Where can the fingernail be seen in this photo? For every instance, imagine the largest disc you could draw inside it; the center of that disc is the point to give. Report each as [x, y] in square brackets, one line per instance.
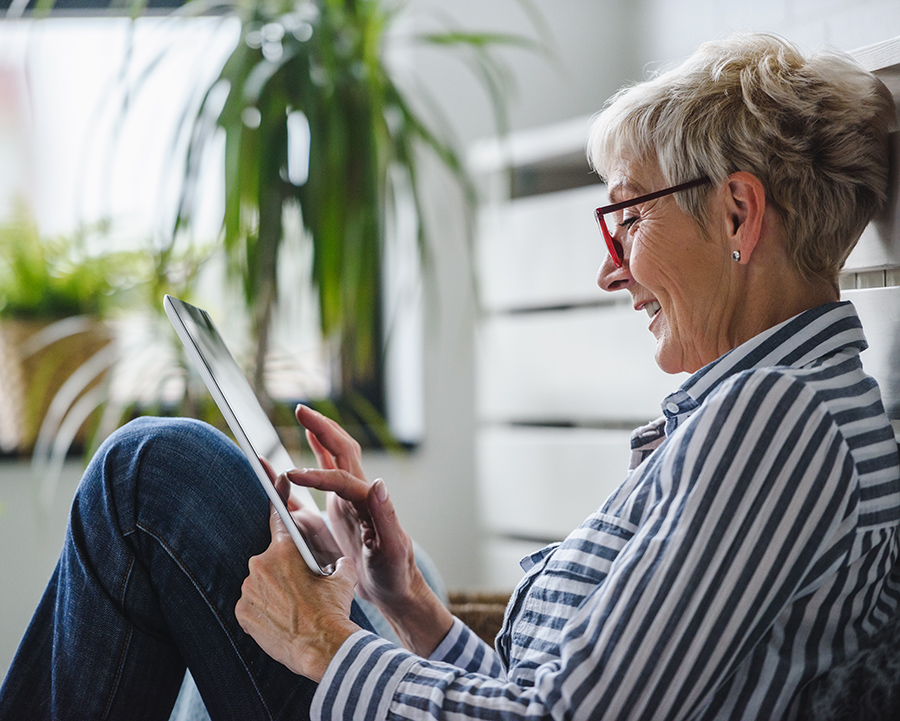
[380, 490]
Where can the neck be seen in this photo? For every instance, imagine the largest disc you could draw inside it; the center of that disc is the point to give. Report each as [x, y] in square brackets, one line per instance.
[773, 297]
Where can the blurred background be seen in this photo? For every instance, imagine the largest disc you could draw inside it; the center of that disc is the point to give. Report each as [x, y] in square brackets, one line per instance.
[422, 202]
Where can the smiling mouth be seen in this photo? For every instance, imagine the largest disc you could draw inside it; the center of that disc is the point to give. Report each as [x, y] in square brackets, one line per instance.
[652, 307]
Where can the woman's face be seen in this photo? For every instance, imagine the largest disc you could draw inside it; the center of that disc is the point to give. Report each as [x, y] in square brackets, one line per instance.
[674, 274]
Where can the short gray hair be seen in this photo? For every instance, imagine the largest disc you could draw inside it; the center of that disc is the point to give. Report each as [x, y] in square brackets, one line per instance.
[813, 129]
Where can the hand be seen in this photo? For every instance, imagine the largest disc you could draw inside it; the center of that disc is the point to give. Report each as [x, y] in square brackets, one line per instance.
[297, 617]
[366, 528]
[363, 520]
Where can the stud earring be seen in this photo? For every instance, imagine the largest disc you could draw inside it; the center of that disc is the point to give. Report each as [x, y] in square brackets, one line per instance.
[736, 256]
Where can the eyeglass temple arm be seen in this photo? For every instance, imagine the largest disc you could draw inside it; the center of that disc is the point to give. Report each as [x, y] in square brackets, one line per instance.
[651, 196]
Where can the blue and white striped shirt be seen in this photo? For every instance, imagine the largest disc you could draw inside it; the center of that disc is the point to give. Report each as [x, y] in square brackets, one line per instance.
[750, 549]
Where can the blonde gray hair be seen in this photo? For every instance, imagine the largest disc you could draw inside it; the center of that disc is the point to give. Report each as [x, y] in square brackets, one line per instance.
[813, 129]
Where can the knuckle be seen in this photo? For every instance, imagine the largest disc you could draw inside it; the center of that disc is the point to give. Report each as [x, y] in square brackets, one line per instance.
[255, 564]
[241, 612]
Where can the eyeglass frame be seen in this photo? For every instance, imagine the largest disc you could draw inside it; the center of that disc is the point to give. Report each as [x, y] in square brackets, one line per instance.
[606, 209]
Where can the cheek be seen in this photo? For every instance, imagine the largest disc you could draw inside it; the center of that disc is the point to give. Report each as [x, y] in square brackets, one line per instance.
[652, 267]
[670, 264]
[644, 260]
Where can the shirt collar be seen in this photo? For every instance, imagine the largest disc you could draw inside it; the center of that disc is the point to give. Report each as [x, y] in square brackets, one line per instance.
[798, 341]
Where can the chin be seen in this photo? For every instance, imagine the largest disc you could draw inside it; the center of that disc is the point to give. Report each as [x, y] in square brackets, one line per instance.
[669, 368]
[670, 362]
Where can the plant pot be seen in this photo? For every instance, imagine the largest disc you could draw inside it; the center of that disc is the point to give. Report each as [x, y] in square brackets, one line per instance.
[47, 365]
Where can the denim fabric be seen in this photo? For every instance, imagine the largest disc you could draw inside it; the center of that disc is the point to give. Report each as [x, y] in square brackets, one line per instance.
[160, 531]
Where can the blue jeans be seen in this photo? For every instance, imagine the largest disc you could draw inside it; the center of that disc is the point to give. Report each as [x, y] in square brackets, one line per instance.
[160, 531]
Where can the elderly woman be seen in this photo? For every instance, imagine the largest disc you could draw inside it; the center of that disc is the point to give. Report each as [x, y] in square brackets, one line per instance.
[751, 548]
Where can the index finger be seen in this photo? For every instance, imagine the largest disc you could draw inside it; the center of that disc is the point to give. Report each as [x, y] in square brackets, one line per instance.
[342, 483]
[333, 438]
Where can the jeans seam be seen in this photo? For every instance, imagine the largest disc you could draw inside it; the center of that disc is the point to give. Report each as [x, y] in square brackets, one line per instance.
[184, 569]
[119, 669]
[125, 579]
[115, 687]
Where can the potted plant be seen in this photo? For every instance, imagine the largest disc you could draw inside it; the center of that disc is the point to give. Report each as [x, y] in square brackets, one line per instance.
[317, 67]
[55, 348]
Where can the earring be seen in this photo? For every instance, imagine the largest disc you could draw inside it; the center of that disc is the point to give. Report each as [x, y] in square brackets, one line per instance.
[736, 256]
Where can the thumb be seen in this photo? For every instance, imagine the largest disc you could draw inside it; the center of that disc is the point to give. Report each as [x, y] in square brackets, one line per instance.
[276, 525]
[388, 532]
[345, 571]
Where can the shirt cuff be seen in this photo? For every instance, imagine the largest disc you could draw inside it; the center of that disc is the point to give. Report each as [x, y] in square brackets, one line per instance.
[363, 675]
[465, 650]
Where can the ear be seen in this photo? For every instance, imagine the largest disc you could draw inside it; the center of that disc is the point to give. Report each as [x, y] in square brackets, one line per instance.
[744, 206]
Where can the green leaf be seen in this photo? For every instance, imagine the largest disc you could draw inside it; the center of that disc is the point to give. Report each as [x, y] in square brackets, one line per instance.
[364, 130]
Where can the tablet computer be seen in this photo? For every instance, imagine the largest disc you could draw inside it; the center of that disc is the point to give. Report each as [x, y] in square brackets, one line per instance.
[250, 425]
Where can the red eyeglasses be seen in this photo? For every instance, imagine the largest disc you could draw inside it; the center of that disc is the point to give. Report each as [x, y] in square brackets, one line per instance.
[612, 245]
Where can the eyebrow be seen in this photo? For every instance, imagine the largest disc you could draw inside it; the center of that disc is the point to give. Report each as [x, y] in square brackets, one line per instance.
[616, 191]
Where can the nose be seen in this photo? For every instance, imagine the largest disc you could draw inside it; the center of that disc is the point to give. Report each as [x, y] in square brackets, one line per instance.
[610, 278]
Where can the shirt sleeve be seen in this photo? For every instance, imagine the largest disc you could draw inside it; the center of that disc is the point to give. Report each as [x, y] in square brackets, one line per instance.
[756, 503]
[367, 670]
[462, 648]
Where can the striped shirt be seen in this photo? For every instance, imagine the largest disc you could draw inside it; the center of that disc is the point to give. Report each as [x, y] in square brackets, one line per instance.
[749, 549]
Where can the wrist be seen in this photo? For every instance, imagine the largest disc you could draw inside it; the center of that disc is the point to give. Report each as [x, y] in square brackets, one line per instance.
[311, 659]
[420, 618]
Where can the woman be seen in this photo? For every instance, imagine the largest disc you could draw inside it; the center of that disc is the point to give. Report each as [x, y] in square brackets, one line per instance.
[751, 548]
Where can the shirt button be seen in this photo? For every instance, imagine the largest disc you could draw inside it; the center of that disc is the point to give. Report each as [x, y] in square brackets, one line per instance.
[672, 407]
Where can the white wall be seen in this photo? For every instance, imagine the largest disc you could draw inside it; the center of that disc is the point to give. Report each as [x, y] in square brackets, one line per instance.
[671, 29]
[31, 534]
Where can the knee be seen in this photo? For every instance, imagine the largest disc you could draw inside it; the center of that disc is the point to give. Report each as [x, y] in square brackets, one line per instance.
[153, 465]
[168, 491]
[163, 443]
[177, 435]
